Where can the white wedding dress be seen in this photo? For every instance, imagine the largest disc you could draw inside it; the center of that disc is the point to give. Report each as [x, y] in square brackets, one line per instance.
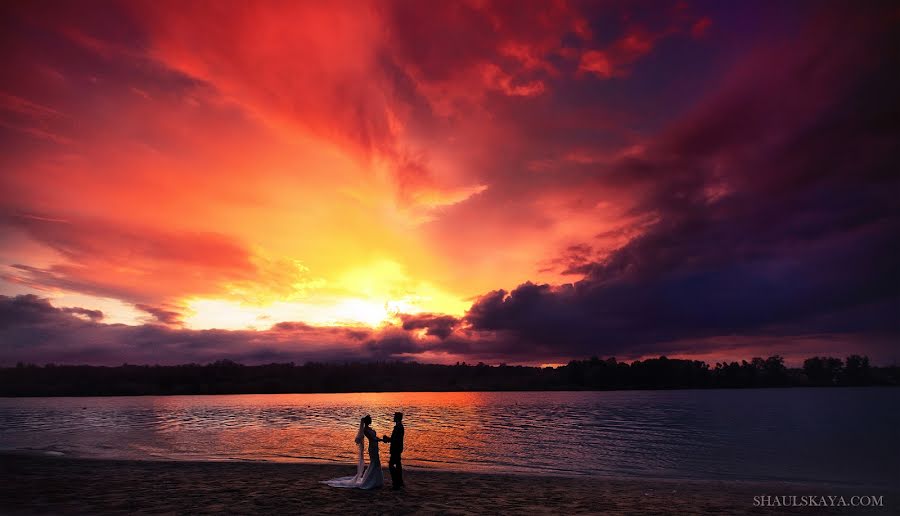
[365, 478]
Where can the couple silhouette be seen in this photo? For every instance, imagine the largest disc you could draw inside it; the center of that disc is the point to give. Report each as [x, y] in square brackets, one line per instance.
[371, 477]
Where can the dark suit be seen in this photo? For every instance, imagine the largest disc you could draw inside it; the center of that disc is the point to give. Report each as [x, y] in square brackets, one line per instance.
[394, 464]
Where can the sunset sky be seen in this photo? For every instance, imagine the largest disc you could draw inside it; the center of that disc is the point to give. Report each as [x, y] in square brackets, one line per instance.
[520, 182]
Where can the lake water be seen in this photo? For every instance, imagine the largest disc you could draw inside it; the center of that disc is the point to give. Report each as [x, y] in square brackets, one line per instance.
[831, 435]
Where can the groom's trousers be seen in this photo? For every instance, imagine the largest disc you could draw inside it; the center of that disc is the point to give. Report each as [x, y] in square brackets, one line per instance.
[396, 469]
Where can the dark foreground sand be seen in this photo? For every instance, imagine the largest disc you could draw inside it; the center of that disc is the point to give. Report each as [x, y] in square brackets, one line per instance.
[43, 485]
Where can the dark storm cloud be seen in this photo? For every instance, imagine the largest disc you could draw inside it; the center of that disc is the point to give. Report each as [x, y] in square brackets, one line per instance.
[26, 309]
[392, 345]
[775, 208]
[162, 315]
[440, 326]
[93, 315]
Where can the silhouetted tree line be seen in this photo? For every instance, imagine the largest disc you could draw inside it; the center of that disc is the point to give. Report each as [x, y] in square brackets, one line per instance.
[227, 377]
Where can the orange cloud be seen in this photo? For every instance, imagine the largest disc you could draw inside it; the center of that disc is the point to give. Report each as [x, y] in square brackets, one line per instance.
[238, 165]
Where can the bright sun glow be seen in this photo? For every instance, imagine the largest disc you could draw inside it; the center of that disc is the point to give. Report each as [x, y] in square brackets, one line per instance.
[372, 296]
[232, 315]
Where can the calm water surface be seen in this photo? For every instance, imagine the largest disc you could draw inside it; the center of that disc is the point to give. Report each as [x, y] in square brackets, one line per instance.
[833, 435]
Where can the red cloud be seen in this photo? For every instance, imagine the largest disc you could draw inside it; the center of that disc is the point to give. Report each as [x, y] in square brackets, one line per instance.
[597, 63]
[175, 111]
[698, 30]
[129, 262]
[636, 42]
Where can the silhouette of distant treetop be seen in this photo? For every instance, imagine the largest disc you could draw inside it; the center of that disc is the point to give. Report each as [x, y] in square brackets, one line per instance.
[227, 377]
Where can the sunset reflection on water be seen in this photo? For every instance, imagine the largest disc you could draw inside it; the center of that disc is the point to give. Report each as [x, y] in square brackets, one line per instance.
[322, 427]
[748, 434]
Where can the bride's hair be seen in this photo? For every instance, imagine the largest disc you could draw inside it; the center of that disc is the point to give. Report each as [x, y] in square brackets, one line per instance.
[367, 419]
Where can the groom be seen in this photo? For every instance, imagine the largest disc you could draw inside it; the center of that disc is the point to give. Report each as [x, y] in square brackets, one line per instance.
[396, 440]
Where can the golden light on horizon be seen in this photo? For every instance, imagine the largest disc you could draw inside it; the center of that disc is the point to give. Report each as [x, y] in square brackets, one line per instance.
[372, 295]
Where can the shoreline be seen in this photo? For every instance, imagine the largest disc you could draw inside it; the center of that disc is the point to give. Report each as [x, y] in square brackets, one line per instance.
[520, 472]
[41, 484]
[293, 393]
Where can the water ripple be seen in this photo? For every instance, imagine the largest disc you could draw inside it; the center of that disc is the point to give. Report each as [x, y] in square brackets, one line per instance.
[749, 434]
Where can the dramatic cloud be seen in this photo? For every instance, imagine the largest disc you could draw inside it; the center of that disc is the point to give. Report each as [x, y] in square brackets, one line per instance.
[437, 325]
[776, 215]
[162, 315]
[93, 315]
[447, 180]
[100, 259]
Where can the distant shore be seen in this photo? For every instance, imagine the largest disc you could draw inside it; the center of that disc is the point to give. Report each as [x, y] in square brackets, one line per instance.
[226, 377]
[56, 485]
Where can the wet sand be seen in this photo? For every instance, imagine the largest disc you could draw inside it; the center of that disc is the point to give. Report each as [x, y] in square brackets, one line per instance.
[57, 485]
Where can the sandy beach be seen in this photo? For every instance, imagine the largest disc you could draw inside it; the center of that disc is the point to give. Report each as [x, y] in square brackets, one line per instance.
[56, 485]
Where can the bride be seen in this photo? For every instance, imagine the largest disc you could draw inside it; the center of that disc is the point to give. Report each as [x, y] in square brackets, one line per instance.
[368, 478]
